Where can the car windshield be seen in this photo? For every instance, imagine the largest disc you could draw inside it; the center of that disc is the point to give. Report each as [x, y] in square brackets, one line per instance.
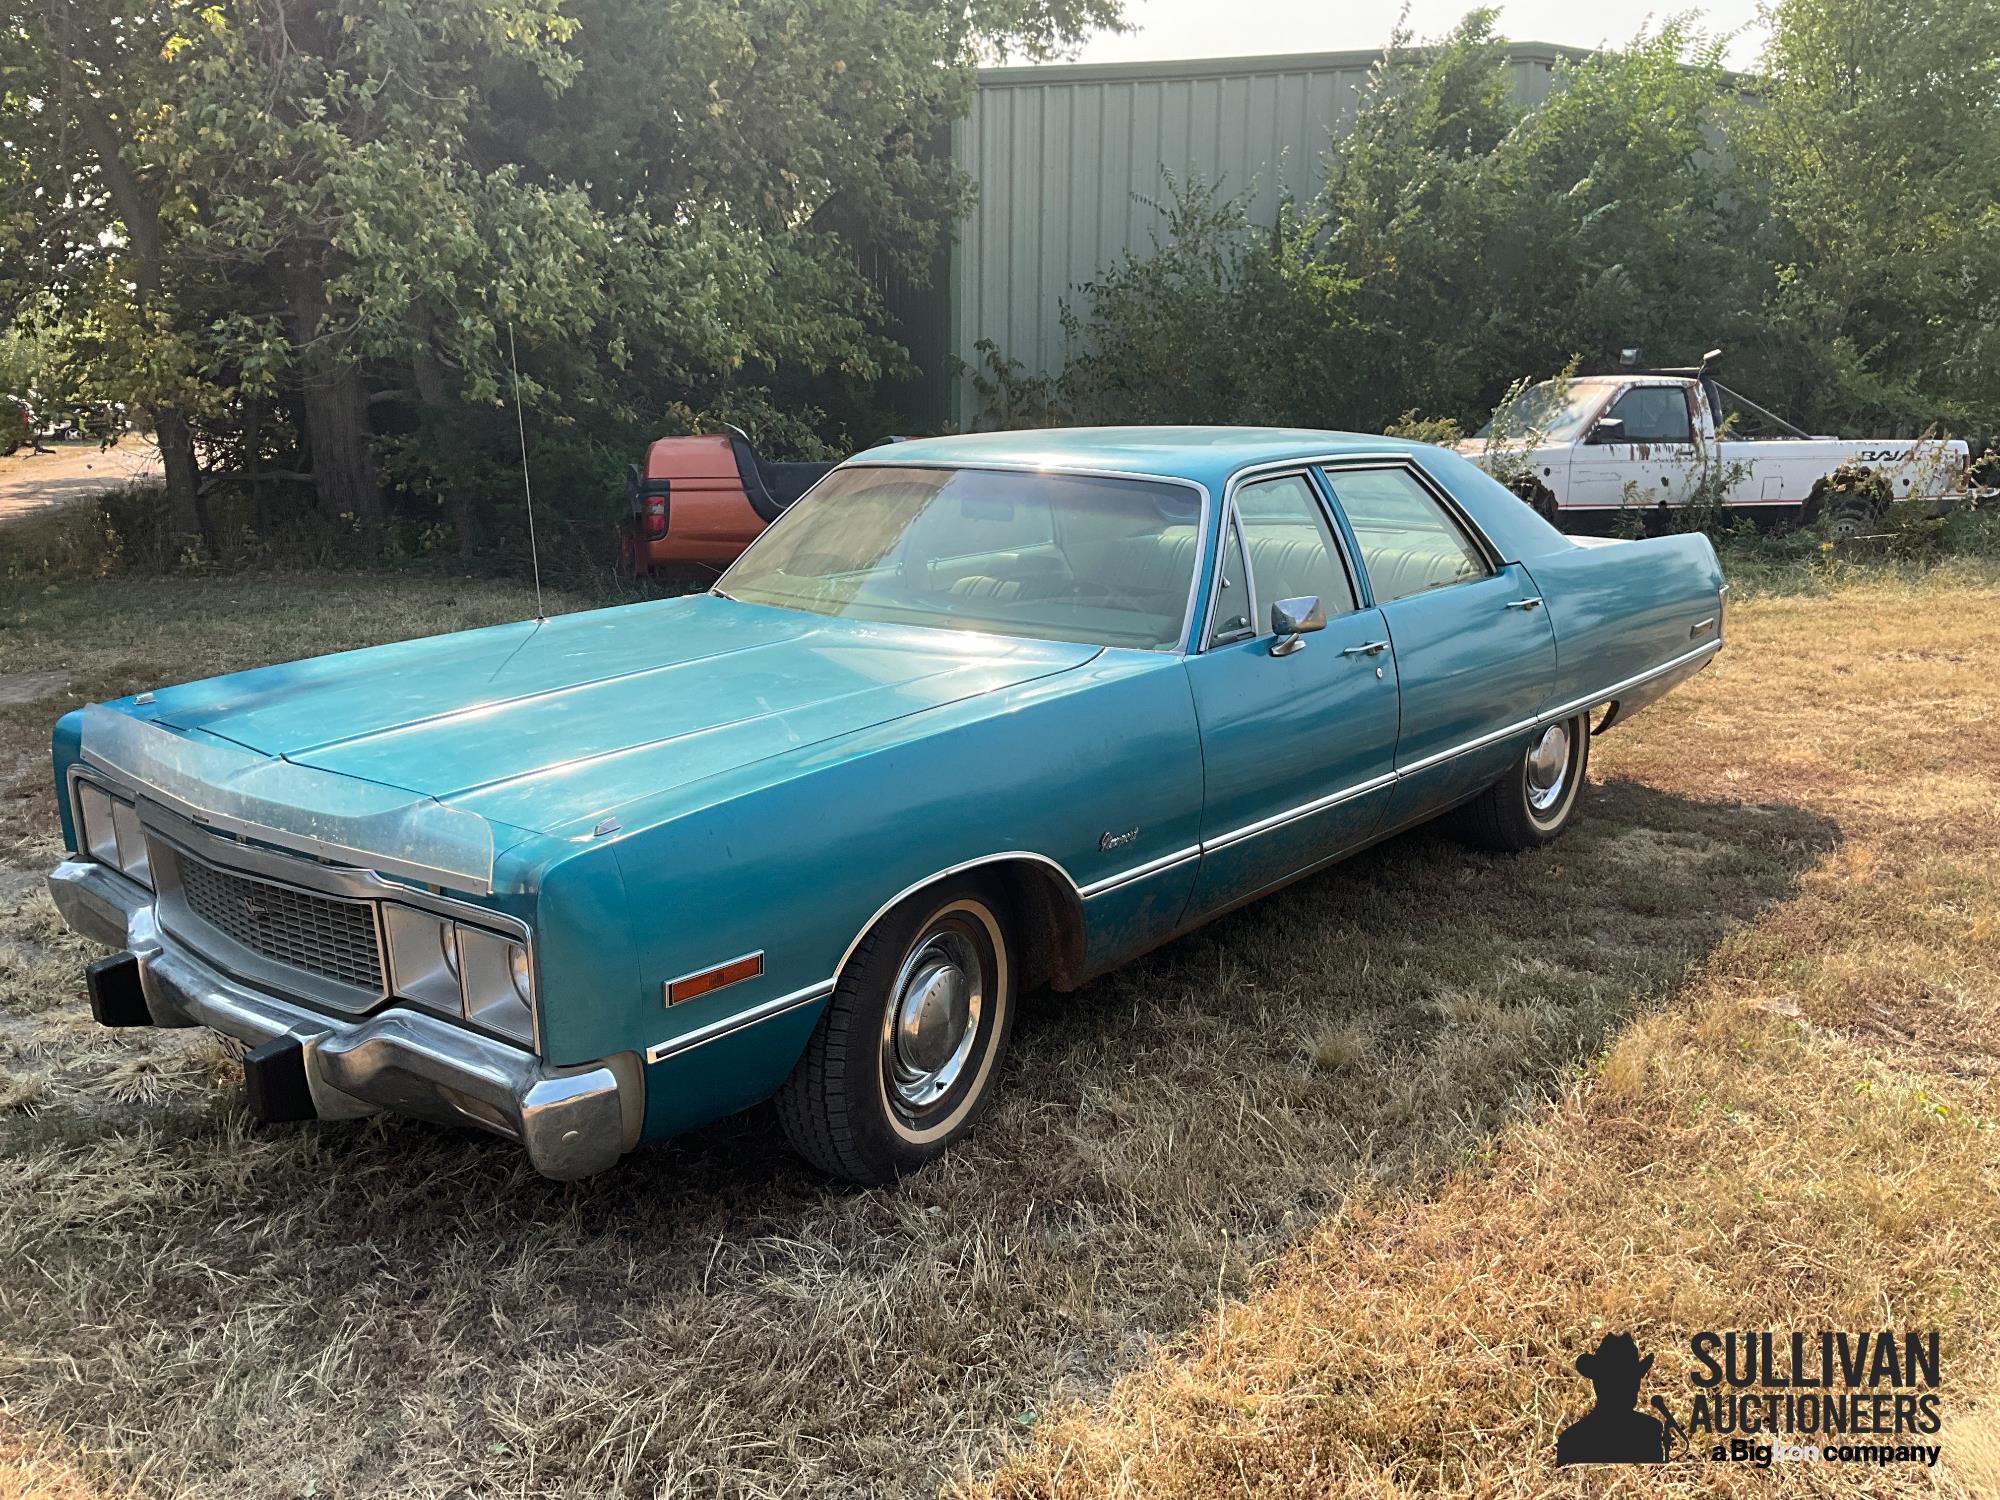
[1058, 557]
[1549, 412]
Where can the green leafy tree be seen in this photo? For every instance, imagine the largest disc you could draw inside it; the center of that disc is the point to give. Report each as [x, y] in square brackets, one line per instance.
[317, 234]
[1222, 322]
[88, 224]
[1459, 242]
[1875, 150]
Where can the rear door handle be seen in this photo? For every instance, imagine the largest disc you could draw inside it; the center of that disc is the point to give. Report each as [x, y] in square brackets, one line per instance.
[1530, 603]
[1373, 648]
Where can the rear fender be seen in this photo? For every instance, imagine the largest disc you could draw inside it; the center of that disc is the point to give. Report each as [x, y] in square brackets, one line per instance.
[1624, 610]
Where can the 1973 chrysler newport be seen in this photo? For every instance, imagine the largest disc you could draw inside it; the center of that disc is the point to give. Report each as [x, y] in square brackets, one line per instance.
[978, 714]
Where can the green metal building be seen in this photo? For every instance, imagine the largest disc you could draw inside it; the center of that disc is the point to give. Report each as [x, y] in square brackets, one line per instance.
[1070, 160]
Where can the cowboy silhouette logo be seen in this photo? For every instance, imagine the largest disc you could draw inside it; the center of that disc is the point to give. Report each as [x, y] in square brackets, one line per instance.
[1614, 1431]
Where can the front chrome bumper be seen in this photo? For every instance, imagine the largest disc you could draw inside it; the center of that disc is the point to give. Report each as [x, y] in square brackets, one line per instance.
[572, 1121]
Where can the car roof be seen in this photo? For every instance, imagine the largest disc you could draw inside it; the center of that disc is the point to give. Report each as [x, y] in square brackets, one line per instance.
[1208, 455]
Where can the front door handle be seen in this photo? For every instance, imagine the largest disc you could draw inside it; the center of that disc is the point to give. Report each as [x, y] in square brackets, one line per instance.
[1373, 648]
[1530, 603]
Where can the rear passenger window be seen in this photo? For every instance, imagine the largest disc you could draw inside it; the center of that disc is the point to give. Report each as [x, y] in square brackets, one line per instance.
[1409, 542]
[1291, 546]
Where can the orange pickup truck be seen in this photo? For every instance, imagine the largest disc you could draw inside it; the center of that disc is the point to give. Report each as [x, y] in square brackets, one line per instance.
[699, 501]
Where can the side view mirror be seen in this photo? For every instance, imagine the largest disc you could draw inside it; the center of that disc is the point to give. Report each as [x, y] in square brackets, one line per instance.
[1293, 619]
[1608, 430]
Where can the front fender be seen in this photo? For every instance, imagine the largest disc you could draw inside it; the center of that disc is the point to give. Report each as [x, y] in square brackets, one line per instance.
[797, 861]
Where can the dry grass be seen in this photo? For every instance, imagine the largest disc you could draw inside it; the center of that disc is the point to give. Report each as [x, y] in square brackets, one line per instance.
[1328, 1184]
[1804, 1138]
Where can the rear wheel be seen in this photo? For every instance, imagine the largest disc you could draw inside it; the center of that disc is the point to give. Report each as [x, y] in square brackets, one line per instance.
[1534, 802]
[1851, 518]
[902, 1062]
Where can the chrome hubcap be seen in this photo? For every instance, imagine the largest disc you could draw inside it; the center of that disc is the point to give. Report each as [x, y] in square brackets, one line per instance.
[935, 1018]
[1548, 768]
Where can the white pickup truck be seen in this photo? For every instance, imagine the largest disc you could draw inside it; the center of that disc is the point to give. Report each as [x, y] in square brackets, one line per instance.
[1584, 449]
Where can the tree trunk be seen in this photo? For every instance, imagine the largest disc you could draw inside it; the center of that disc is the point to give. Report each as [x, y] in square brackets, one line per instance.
[138, 207]
[333, 407]
[186, 511]
[435, 396]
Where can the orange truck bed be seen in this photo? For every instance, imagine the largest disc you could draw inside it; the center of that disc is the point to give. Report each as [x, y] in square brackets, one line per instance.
[699, 501]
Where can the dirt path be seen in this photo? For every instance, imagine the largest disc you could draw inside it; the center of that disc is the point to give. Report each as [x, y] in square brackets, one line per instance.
[32, 483]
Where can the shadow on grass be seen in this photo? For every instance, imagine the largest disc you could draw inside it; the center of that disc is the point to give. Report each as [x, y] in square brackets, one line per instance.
[1159, 1135]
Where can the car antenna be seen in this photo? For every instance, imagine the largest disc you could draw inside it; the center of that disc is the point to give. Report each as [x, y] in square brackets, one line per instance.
[527, 485]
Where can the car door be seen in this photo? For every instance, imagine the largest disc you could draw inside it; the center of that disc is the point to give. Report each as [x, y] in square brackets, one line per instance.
[1297, 743]
[1474, 653]
[1652, 457]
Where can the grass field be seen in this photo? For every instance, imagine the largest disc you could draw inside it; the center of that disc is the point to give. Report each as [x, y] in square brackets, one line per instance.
[1323, 1198]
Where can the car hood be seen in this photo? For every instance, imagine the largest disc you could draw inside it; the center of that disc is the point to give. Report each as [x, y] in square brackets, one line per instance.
[542, 725]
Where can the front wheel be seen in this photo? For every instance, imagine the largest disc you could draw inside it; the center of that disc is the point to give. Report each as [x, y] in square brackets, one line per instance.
[902, 1062]
[1535, 801]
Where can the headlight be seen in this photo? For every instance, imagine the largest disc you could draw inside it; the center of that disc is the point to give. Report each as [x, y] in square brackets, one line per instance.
[465, 971]
[494, 997]
[110, 832]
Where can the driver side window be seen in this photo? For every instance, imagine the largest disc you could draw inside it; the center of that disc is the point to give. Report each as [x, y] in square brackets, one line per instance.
[1653, 414]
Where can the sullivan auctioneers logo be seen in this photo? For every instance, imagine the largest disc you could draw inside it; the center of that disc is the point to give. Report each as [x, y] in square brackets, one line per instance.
[1765, 1398]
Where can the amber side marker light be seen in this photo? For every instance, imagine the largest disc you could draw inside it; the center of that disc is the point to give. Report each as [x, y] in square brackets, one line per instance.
[708, 981]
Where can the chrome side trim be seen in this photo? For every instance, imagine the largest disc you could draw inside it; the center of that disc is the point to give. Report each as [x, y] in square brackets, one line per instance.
[1293, 814]
[1563, 711]
[1439, 757]
[780, 1005]
[1203, 548]
[729, 1025]
[1362, 788]
[766, 1010]
[1140, 872]
[958, 869]
[1592, 700]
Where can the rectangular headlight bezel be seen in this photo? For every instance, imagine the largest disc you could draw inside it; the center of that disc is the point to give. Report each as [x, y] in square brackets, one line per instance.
[108, 831]
[462, 970]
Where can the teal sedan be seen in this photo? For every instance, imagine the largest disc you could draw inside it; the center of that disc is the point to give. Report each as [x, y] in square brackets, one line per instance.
[979, 714]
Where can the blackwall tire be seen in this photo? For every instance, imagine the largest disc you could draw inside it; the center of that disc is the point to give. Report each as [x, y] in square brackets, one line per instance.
[903, 1061]
[1852, 519]
[1536, 801]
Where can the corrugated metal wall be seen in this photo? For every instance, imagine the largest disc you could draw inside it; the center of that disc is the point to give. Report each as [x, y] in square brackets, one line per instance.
[1067, 157]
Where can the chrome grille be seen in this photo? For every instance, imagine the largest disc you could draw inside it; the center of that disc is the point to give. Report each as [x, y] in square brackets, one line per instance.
[322, 935]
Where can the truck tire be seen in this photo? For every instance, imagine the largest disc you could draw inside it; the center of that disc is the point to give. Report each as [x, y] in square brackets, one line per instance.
[1851, 501]
[1852, 517]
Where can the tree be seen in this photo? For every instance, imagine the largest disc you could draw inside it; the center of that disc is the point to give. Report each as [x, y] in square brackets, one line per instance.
[88, 225]
[337, 222]
[1459, 241]
[1222, 322]
[1875, 153]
